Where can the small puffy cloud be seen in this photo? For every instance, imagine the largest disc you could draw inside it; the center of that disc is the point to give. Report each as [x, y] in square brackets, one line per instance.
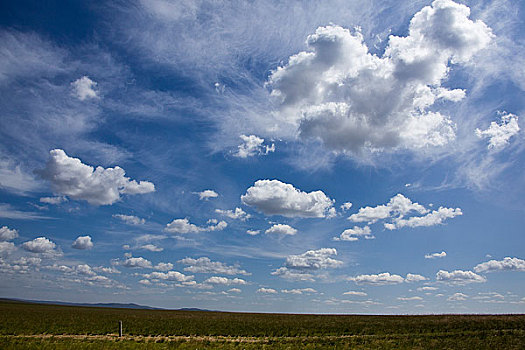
[398, 205]
[252, 146]
[98, 186]
[409, 298]
[398, 208]
[266, 291]
[353, 292]
[139, 262]
[426, 289]
[53, 200]
[168, 276]
[205, 265]
[207, 194]
[507, 264]
[435, 255]
[500, 134]
[39, 245]
[314, 260]
[281, 229]
[353, 234]
[273, 197]
[340, 93]
[184, 226]
[253, 232]
[7, 234]
[84, 88]
[130, 219]
[303, 266]
[378, 280]
[238, 214]
[163, 266]
[414, 278]
[151, 248]
[346, 206]
[225, 281]
[459, 277]
[234, 290]
[82, 242]
[299, 291]
[457, 297]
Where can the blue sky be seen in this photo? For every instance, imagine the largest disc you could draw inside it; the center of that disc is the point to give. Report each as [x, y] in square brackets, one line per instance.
[325, 157]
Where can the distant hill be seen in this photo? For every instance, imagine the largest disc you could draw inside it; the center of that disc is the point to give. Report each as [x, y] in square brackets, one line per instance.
[108, 305]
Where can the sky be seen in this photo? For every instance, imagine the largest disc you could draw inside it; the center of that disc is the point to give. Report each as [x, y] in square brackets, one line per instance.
[264, 156]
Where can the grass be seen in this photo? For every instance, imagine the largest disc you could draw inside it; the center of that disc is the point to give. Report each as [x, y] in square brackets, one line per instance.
[41, 326]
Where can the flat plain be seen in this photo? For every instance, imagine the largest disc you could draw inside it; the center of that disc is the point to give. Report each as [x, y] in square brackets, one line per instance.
[44, 326]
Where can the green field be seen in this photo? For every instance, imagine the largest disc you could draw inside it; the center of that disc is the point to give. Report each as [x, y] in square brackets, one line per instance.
[41, 326]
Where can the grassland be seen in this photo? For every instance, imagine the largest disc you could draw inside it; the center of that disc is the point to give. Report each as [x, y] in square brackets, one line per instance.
[39, 326]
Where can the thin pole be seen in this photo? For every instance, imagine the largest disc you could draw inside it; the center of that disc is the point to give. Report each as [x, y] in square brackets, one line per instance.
[120, 328]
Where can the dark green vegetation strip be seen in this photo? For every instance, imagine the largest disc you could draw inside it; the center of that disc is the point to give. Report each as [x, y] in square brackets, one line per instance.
[218, 330]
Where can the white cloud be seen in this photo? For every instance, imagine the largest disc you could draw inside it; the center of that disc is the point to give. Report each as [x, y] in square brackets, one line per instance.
[266, 291]
[70, 177]
[130, 219]
[500, 134]
[314, 260]
[205, 265]
[53, 200]
[7, 234]
[234, 290]
[435, 255]
[139, 262]
[414, 278]
[398, 208]
[39, 245]
[298, 291]
[252, 146]
[457, 297]
[409, 298]
[340, 93]
[426, 289]
[303, 266]
[163, 266]
[82, 242]
[168, 276]
[507, 264]
[253, 232]
[436, 217]
[353, 234]
[224, 281]
[459, 277]
[152, 248]
[273, 197]
[207, 194]
[238, 214]
[378, 280]
[281, 229]
[6, 248]
[293, 274]
[353, 292]
[183, 226]
[345, 206]
[84, 88]
[398, 205]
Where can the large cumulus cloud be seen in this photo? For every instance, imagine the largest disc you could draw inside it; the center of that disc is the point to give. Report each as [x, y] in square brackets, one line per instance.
[338, 92]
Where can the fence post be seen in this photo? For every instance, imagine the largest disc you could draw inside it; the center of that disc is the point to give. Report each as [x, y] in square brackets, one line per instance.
[120, 328]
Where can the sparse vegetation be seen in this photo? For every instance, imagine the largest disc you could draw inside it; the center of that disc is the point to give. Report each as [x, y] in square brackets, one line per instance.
[39, 326]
